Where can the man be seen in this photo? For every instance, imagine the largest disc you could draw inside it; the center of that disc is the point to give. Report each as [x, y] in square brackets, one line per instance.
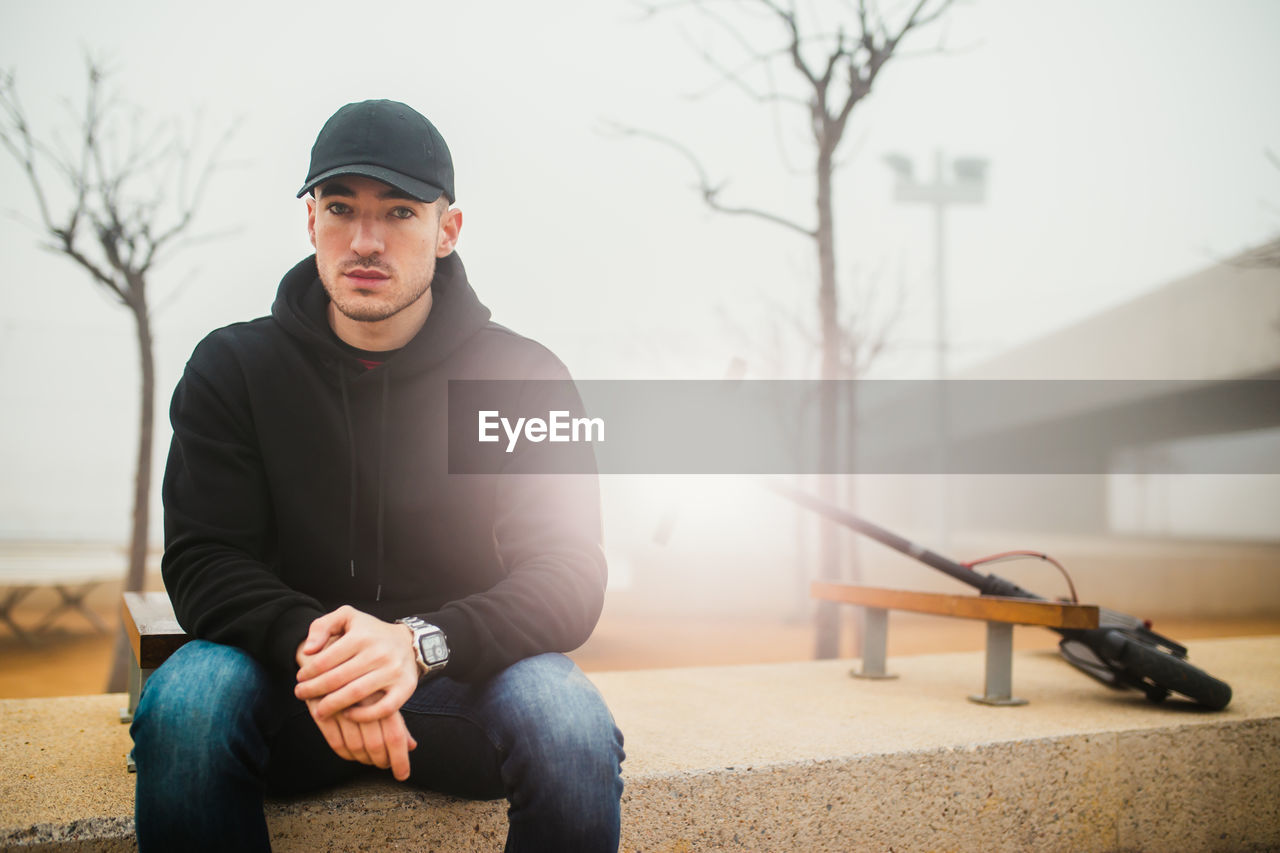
[354, 604]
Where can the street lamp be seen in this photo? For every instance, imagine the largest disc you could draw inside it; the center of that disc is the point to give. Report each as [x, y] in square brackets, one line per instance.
[967, 184]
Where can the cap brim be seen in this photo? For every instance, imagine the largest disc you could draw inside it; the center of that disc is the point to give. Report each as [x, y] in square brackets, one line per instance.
[417, 189]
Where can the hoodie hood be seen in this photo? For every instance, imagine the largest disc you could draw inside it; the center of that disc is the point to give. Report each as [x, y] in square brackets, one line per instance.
[302, 305]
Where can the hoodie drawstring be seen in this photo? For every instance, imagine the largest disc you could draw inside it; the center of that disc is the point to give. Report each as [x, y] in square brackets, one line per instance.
[351, 454]
[382, 469]
[382, 474]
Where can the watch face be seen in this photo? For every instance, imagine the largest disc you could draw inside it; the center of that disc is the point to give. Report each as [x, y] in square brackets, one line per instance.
[434, 648]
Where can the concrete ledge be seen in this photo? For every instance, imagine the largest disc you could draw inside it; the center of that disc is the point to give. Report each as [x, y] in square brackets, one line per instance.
[783, 757]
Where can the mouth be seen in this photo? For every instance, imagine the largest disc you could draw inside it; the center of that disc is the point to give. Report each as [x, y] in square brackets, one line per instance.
[366, 277]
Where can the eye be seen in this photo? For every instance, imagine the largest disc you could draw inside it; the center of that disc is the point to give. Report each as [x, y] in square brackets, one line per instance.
[337, 208]
[403, 212]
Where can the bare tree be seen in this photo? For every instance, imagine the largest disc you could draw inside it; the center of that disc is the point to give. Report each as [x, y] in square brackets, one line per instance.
[116, 201]
[829, 67]
[1266, 256]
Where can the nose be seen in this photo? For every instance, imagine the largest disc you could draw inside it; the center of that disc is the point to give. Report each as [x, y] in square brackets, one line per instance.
[368, 237]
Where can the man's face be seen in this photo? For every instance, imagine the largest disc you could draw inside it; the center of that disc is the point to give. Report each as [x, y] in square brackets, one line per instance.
[376, 250]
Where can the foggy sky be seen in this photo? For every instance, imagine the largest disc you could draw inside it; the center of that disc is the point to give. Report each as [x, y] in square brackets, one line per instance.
[1126, 145]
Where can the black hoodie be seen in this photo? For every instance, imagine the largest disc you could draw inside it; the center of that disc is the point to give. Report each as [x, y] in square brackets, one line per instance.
[298, 481]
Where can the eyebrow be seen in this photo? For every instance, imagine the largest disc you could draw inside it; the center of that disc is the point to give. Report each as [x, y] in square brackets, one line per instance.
[338, 188]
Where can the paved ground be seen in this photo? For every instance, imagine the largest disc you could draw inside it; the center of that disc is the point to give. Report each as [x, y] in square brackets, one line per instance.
[71, 660]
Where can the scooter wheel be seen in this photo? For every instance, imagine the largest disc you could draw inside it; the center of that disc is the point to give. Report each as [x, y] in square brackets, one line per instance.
[1162, 671]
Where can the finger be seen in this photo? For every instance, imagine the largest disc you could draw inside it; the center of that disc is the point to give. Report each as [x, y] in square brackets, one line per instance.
[351, 735]
[323, 628]
[303, 658]
[319, 683]
[332, 734]
[397, 738]
[337, 652]
[375, 707]
[352, 693]
[366, 642]
[354, 684]
[324, 633]
[315, 639]
[375, 745]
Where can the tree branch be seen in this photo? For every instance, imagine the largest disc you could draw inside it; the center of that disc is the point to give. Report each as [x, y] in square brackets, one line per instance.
[1266, 256]
[788, 19]
[189, 207]
[735, 77]
[113, 181]
[23, 147]
[711, 192]
[862, 339]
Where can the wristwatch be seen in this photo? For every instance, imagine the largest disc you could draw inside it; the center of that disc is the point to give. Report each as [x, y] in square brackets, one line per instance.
[428, 645]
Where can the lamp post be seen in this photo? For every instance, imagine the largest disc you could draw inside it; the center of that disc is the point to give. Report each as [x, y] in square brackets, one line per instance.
[967, 184]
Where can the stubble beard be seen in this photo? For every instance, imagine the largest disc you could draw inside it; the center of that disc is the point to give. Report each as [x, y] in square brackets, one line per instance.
[372, 309]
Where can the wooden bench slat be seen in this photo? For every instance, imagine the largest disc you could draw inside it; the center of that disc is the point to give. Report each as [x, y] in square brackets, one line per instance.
[154, 632]
[1019, 611]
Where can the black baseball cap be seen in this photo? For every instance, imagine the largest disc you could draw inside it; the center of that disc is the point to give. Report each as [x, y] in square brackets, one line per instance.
[387, 141]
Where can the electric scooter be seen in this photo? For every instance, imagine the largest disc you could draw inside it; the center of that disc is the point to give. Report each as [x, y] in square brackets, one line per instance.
[1122, 652]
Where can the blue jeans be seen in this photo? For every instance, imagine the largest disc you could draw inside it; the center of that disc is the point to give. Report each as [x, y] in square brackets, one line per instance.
[213, 734]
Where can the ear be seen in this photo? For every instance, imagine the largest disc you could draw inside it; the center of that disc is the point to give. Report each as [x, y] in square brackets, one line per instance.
[311, 219]
[450, 228]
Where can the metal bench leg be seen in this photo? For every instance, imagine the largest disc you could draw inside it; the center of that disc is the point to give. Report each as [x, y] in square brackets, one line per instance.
[999, 676]
[10, 601]
[875, 643]
[74, 600]
[137, 680]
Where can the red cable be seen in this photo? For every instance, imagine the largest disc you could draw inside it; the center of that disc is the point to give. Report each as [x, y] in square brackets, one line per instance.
[1011, 555]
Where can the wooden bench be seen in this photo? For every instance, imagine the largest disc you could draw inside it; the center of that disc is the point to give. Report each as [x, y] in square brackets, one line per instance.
[154, 634]
[1000, 614]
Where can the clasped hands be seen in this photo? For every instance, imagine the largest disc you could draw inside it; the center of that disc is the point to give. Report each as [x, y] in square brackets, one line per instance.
[354, 673]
